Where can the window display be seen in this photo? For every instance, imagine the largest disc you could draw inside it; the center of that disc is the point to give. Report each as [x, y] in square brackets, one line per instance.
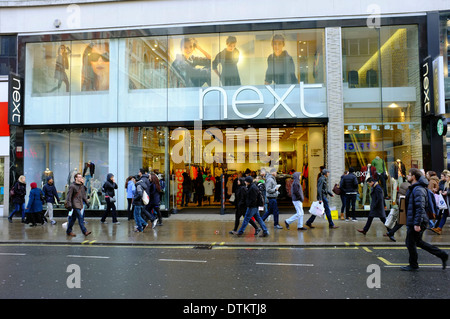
[382, 107]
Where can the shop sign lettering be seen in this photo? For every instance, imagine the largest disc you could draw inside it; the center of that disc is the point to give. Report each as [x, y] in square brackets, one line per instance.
[236, 103]
[363, 146]
[426, 88]
[15, 100]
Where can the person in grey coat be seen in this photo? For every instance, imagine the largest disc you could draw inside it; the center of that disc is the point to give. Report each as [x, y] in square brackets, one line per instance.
[297, 200]
[376, 206]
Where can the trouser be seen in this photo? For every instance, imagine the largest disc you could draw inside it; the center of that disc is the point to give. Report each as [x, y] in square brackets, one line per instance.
[18, 207]
[414, 240]
[239, 213]
[49, 211]
[298, 216]
[273, 209]
[73, 216]
[369, 222]
[130, 208]
[350, 199]
[252, 212]
[140, 222]
[110, 207]
[327, 213]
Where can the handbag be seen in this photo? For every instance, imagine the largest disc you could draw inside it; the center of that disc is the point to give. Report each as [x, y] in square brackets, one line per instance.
[337, 189]
[145, 198]
[232, 198]
[317, 209]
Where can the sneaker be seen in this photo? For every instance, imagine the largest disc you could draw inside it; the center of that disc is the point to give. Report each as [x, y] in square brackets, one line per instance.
[277, 227]
[116, 223]
[257, 231]
[53, 222]
[154, 223]
[104, 222]
[409, 268]
[287, 225]
[354, 220]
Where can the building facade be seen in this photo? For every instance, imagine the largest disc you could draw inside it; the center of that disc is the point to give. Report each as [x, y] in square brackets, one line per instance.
[227, 93]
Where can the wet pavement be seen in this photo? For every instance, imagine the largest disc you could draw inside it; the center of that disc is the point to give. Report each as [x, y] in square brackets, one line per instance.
[204, 230]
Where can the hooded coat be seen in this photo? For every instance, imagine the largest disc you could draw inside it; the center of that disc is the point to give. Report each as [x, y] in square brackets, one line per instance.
[34, 200]
[109, 186]
[296, 188]
[377, 203]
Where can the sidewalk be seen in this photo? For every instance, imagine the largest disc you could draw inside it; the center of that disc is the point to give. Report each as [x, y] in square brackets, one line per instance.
[202, 230]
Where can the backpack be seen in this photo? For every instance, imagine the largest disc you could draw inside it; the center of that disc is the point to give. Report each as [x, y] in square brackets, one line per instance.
[259, 197]
[431, 207]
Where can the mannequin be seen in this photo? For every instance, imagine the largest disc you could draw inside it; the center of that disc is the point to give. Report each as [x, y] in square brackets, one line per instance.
[88, 173]
[380, 167]
[366, 186]
[398, 174]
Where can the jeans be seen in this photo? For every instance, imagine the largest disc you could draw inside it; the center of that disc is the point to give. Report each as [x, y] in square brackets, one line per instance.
[298, 214]
[140, 223]
[327, 213]
[18, 207]
[273, 209]
[76, 214]
[252, 212]
[350, 199]
[414, 240]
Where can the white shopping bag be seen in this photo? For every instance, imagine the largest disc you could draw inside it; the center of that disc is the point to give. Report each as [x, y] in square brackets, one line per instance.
[440, 201]
[317, 209]
[392, 218]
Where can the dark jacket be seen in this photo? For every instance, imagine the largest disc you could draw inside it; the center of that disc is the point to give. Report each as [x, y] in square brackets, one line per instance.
[34, 201]
[241, 196]
[416, 202]
[187, 183]
[50, 192]
[109, 186]
[322, 188]
[146, 183]
[377, 203]
[252, 196]
[349, 184]
[76, 196]
[296, 188]
[154, 195]
[20, 190]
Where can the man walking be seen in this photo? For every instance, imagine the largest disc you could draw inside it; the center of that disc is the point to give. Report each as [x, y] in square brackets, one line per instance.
[272, 194]
[322, 196]
[50, 195]
[75, 198]
[252, 208]
[349, 184]
[417, 220]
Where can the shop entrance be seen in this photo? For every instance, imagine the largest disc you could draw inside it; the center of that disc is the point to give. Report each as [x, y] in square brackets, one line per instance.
[205, 162]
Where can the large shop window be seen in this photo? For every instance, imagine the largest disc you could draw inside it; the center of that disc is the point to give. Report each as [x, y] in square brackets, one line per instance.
[94, 153]
[382, 111]
[242, 75]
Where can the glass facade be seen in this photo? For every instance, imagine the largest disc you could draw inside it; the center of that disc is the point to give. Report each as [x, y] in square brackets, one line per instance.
[60, 153]
[382, 106]
[177, 78]
[141, 88]
[8, 54]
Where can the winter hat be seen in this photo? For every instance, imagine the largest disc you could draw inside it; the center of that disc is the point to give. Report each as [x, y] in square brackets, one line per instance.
[249, 179]
[33, 185]
[325, 171]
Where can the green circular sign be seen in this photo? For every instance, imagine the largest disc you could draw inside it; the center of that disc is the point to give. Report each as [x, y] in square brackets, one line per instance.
[441, 127]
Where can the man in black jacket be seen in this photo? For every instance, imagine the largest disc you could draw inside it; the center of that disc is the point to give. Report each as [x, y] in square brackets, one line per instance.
[252, 208]
[417, 220]
[349, 184]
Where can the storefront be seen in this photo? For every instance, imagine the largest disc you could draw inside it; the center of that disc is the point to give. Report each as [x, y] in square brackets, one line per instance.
[223, 99]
